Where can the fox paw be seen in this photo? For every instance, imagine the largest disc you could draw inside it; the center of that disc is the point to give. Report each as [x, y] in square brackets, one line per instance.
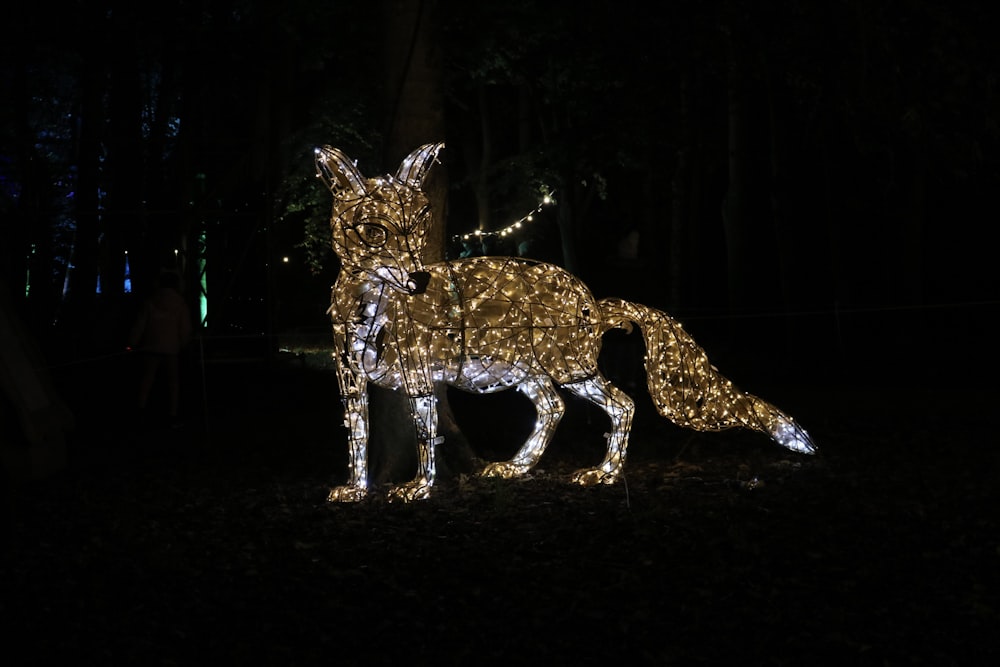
[346, 494]
[504, 470]
[594, 476]
[410, 491]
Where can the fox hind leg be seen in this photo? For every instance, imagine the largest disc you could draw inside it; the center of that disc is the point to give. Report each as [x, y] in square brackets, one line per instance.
[549, 408]
[620, 409]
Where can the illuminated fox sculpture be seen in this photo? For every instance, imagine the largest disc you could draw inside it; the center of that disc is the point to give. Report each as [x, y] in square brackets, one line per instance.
[486, 324]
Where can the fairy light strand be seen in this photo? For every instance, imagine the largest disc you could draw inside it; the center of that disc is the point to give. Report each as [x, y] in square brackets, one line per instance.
[548, 199]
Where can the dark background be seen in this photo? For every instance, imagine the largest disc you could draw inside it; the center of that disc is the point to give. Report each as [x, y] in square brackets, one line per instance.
[813, 189]
[811, 185]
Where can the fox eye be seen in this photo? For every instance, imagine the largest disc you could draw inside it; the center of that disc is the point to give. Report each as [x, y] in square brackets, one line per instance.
[372, 234]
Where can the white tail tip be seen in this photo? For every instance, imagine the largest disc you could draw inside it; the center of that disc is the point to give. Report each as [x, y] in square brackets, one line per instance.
[791, 436]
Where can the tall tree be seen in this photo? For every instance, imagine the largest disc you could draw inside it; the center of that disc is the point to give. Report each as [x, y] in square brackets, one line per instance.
[415, 104]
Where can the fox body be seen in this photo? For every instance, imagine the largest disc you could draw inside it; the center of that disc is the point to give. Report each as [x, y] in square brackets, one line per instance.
[488, 324]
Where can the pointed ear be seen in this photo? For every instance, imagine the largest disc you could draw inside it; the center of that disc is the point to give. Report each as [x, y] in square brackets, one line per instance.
[414, 166]
[338, 171]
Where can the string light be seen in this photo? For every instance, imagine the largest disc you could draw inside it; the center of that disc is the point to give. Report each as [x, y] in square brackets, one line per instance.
[488, 324]
[548, 199]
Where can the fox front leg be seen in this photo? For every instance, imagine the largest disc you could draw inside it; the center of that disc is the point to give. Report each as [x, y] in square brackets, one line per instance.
[425, 419]
[354, 394]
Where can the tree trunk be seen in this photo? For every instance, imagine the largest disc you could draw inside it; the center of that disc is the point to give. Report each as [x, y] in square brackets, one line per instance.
[82, 277]
[484, 211]
[416, 104]
[575, 199]
[734, 205]
[680, 192]
[121, 226]
[781, 220]
[28, 254]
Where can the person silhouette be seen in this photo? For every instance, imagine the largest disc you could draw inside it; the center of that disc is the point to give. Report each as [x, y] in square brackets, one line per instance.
[161, 329]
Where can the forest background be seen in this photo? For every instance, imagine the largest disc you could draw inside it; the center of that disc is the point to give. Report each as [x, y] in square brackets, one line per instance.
[809, 187]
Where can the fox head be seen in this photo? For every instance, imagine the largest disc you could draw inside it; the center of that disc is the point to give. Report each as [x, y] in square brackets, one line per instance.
[379, 225]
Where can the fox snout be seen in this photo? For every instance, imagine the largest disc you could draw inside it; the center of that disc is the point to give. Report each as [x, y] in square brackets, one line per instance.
[417, 281]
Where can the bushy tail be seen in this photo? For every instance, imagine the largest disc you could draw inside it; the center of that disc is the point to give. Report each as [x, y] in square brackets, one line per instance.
[690, 391]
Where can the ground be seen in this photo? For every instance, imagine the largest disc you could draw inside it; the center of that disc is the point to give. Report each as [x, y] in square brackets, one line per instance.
[213, 544]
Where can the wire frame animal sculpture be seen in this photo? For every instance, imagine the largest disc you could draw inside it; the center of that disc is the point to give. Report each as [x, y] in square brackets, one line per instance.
[488, 324]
